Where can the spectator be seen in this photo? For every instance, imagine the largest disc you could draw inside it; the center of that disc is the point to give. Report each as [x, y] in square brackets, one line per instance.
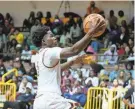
[48, 15]
[131, 44]
[2, 67]
[92, 8]
[129, 78]
[121, 77]
[11, 65]
[129, 98]
[111, 55]
[77, 94]
[121, 17]
[94, 79]
[112, 19]
[3, 39]
[115, 84]
[88, 84]
[67, 76]
[26, 53]
[75, 33]
[1, 19]
[19, 36]
[39, 15]
[114, 73]
[12, 48]
[67, 88]
[125, 32]
[129, 68]
[121, 50]
[23, 86]
[9, 18]
[22, 100]
[30, 21]
[19, 66]
[103, 84]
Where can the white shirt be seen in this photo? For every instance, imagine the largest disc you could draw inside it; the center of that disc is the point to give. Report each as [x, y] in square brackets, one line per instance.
[94, 80]
[49, 79]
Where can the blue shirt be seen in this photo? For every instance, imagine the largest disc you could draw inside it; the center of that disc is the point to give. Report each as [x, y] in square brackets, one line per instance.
[113, 75]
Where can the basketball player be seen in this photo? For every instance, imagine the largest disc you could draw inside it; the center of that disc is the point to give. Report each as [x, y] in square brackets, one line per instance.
[47, 62]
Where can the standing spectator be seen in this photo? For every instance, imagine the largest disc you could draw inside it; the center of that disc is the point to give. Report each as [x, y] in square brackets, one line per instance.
[114, 73]
[92, 8]
[9, 18]
[121, 17]
[2, 67]
[112, 19]
[125, 32]
[129, 98]
[75, 32]
[19, 36]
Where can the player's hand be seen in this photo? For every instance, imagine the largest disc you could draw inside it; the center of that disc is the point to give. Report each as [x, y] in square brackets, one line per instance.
[96, 27]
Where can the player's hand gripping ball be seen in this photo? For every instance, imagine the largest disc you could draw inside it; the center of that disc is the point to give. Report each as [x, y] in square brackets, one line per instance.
[91, 21]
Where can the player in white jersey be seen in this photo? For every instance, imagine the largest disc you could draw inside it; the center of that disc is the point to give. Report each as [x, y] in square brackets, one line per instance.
[47, 62]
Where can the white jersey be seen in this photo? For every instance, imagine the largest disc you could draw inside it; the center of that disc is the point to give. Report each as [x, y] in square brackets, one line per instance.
[47, 62]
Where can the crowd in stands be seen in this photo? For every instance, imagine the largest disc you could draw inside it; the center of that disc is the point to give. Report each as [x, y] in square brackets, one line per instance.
[117, 40]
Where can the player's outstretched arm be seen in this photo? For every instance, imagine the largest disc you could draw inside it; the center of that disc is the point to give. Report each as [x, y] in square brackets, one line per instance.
[82, 44]
[66, 65]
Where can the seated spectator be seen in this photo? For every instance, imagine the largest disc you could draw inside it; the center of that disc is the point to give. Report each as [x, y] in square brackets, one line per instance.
[19, 36]
[48, 15]
[9, 18]
[2, 19]
[2, 67]
[129, 78]
[48, 23]
[114, 73]
[88, 84]
[67, 75]
[114, 34]
[67, 88]
[92, 8]
[129, 68]
[130, 96]
[75, 33]
[26, 53]
[121, 17]
[22, 100]
[121, 78]
[19, 66]
[116, 84]
[103, 84]
[23, 86]
[39, 15]
[12, 48]
[125, 32]
[56, 27]
[94, 79]
[112, 19]
[77, 94]
[3, 39]
[121, 50]
[131, 44]
[30, 21]
[33, 73]
[10, 65]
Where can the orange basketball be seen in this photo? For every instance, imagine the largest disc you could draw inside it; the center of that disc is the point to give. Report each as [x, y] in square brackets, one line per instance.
[92, 20]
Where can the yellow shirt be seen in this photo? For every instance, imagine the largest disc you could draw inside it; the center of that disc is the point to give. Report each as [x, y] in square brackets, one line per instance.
[20, 38]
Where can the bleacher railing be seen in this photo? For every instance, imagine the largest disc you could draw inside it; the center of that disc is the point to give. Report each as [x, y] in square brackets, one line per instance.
[103, 98]
[7, 92]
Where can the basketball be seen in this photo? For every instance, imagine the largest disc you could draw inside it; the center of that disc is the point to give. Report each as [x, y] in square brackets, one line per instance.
[92, 20]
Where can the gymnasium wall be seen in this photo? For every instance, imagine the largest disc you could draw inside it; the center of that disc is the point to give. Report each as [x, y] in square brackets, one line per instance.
[21, 9]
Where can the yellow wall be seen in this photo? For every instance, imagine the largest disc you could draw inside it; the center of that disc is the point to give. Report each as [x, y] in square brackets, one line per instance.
[21, 9]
